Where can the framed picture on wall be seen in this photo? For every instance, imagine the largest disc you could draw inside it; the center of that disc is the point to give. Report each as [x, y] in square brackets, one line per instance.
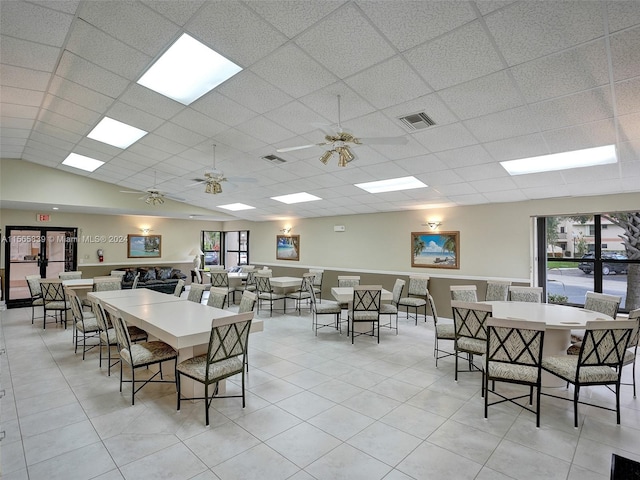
[435, 249]
[288, 247]
[144, 246]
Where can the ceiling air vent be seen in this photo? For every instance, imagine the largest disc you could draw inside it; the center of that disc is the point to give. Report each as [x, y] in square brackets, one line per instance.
[417, 121]
[273, 159]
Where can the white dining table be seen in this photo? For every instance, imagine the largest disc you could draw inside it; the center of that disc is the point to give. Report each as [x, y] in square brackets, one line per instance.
[559, 321]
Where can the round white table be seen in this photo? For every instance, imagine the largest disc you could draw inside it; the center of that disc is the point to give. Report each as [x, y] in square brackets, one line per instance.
[559, 319]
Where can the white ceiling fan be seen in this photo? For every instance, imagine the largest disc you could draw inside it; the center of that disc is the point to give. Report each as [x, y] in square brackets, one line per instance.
[339, 144]
[153, 196]
[214, 178]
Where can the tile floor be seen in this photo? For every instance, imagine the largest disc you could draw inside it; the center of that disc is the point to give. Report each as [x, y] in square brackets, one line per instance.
[317, 407]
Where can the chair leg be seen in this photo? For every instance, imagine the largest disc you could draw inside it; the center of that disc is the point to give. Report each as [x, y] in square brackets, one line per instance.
[178, 389]
[206, 404]
[618, 401]
[133, 384]
[576, 392]
[633, 372]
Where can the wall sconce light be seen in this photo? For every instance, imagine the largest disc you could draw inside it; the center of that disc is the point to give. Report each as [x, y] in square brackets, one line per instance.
[286, 230]
[432, 224]
[145, 231]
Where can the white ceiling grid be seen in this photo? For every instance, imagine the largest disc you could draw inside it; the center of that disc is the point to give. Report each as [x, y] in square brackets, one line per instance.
[501, 79]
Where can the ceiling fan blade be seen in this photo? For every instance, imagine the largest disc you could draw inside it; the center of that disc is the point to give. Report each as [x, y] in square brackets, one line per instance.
[132, 191]
[384, 141]
[300, 147]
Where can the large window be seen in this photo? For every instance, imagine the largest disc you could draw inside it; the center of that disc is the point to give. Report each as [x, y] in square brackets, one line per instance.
[590, 253]
[211, 248]
[236, 248]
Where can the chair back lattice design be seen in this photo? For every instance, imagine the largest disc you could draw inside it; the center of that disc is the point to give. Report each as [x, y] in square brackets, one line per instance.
[107, 284]
[33, 281]
[52, 291]
[70, 275]
[251, 279]
[497, 291]
[219, 279]
[418, 286]
[366, 302]
[196, 291]
[464, 293]
[76, 306]
[470, 319]
[525, 294]
[317, 277]
[514, 342]
[602, 303]
[398, 288]
[101, 317]
[604, 344]
[227, 341]
[263, 284]
[122, 333]
[247, 302]
[179, 287]
[348, 281]
[634, 315]
[217, 297]
[307, 279]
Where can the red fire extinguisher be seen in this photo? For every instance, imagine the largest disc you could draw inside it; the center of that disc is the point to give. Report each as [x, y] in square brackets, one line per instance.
[100, 255]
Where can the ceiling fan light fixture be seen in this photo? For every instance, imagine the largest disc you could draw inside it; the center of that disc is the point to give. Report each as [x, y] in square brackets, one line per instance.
[344, 156]
[213, 188]
[324, 158]
[154, 200]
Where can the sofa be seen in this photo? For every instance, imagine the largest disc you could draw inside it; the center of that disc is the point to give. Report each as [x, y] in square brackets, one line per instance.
[162, 279]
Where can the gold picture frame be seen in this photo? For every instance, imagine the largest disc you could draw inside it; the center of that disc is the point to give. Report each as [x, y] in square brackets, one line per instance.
[435, 250]
[144, 246]
[288, 247]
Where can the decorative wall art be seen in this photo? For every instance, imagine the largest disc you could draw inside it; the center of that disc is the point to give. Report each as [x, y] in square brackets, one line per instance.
[288, 247]
[435, 249]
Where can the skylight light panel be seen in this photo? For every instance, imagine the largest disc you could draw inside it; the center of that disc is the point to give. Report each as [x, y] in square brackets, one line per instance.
[296, 198]
[116, 133]
[188, 70]
[392, 185]
[83, 163]
[235, 207]
[588, 157]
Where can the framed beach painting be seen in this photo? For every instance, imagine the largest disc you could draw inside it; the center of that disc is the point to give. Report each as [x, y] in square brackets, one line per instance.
[435, 249]
[288, 247]
[144, 246]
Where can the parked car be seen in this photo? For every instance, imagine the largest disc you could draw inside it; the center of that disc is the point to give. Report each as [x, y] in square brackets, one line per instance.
[607, 267]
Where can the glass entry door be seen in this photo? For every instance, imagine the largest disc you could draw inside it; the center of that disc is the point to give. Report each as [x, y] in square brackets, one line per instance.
[36, 251]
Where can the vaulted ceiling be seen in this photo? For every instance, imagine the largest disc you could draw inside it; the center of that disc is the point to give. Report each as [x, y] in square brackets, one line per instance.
[501, 79]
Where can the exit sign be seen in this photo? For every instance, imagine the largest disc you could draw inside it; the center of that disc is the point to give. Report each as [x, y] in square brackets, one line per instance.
[43, 217]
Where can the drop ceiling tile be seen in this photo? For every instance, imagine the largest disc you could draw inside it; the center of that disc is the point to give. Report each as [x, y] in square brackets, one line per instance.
[264, 129]
[421, 164]
[44, 139]
[627, 151]
[71, 110]
[528, 30]
[16, 123]
[220, 25]
[56, 132]
[134, 117]
[22, 53]
[124, 24]
[239, 140]
[157, 142]
[80, 71]
[149, 151]
[251, 91]
[396, 152]
[429, 104]
[592, 174]
[178, 134]
[329, 42]
[456, 57]
[401, 84]
[517, 147]
[482, 172]
[623, 14]
[589, 135]
[198, 122]
[293, 71]
[223, 109]
[11, 151]
[629, 127]
[599, 187]
[13, 142]
[472, 199]
[446, 137]
[26, 78]
[19, 111]
[78, 94]
[64, 123]
[629, 170]
[441, 177]
[455, 189]
[54, 153]
[579, 68]
[373, 125]
[628, 96]
[32, 22]
[625, 54]
[82, 149]
[296, 117]
[21, 96]
[464, 157]
[15, 132]
[291, 17]
[505, 196]
[178, 11]
[407, 24]
[482, 96]
[104, 149]
[629, 184]
[543, 179]
[493, 184]
[488, 6]
[508, 123]
[325, 102]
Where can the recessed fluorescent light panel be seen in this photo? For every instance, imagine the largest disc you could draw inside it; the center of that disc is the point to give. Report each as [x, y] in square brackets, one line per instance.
[116, 133]
[392, 185]
[235, 207]
[188, 70]
[296, 198]
[562, 161]
[83, 163]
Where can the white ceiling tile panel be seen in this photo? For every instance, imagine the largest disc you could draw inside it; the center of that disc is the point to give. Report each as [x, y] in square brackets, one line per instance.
[19, 111]
[80, 71]
[505, 196]
[64, 123]
[21, 96]
[373, 125]
[539, 179]
[198, 122]
[32, 22]
[178, 134]
[88, 42]
[627, 98]
[235, 137]
[155, 142]
[506, 124]
[124, 23]
[625, 54]
[250, 90]
[56, 132]
[488, 6]
[71, 110]
[493, 184]
[578, 108]
[517, 147]
[92, 153]
[589, 135]
[220, 24]
[293, 71]
[528, 30]
[264, 129]
[441, 177]
[482, 96]
[80, 95]
[385, 171]
[597, 187]
[402, 85]
[629, 184]
[105, 150]
[296, 117]
[223, 109]
[464, 157]
[473, 199]
[481, 172]
[16, 123]
[145, 99]
[630, 127]
[421, 164]
[26, 78]
[627, 151]
[330, 42]
[50, 140]
[139, 149]
[15, 132]
[293, 16]
[10, 151]
[446, 137]
[429, 104]
[178, 11]
[630, 169]
[23, 53]
[396, 152]
[325, 102]
[133, 116]
[407, 24]
[456, 57]
[13, 142]
[599, 172]
[579, 68]
[623, 14]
